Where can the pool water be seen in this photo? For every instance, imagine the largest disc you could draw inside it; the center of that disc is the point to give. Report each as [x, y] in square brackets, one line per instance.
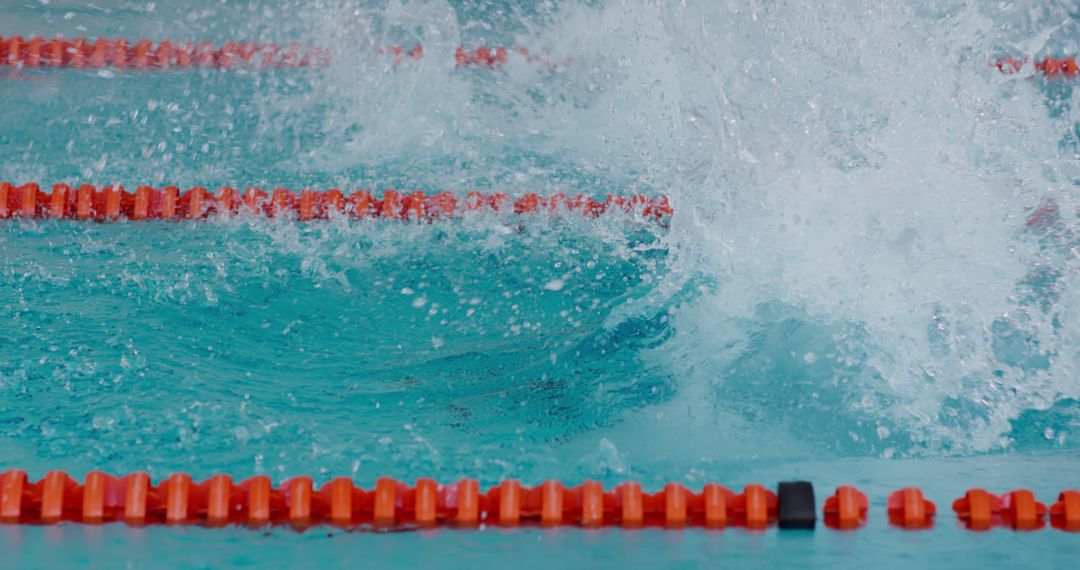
[848, 291]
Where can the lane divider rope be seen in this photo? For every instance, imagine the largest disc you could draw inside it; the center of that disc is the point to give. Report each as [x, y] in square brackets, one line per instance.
[87, 202]
[1049, 67]
[218, 501]
[37, 52]
[40, 52]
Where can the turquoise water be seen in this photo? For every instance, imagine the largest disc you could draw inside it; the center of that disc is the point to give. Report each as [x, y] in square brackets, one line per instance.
[847, 292]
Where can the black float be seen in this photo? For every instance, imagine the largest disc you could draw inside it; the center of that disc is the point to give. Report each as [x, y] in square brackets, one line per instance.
[797, 507]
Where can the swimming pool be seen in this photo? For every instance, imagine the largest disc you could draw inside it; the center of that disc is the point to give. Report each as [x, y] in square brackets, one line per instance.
[849, 290]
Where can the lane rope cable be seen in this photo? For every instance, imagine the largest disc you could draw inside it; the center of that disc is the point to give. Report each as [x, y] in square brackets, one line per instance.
[39, 52]
[390, 504]
[110, 203]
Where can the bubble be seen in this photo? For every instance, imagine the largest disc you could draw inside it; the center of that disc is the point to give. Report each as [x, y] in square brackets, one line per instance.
[554, 285]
